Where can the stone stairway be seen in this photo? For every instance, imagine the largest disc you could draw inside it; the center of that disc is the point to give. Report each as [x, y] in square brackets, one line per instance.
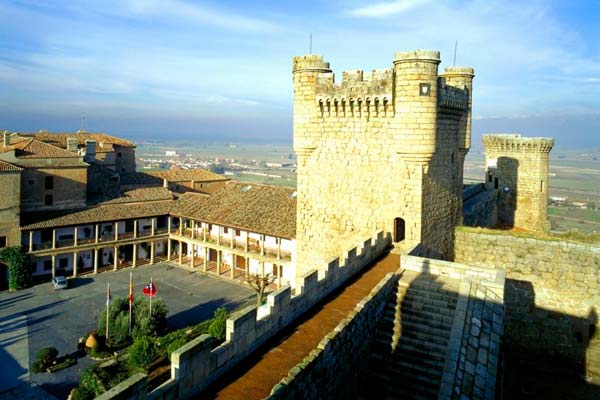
[408, 353]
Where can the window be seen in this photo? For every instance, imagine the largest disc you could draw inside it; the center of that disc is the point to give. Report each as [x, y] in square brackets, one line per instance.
[49, 183]
[489, 177]
[495, 183]
[237, 232]
[47, 265]
[275, 270]
[63, 263]
[225, 230]
[399, 229]
[2, 241]
[542, 186]
[48, 200]
[31, 181]
[119, 154]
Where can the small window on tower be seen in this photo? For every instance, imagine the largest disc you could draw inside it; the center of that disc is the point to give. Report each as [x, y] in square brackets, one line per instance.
[2, 241]
[48, 200]
[542, 186]
[495, 183]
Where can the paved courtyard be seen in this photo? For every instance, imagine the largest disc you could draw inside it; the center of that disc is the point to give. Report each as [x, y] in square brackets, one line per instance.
[39, 317]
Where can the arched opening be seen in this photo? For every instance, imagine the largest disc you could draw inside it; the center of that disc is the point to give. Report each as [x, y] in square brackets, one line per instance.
[3, 276]
[399, 229]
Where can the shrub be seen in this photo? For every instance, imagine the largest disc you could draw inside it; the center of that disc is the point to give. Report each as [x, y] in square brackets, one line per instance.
[45, 357]
[141, 354]
[89, 383]
[217, 326]
[144, 325]
[19, 270]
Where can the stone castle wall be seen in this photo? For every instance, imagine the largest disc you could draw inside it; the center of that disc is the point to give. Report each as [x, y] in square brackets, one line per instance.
[376, 147]
[480, 207]
[551, 294]
[196, 365]
[518, 166]
[10, 198]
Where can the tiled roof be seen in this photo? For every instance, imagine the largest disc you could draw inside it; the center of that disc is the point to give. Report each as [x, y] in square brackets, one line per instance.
[8, 167]
[257, 208]
[27, 148]
[60, 139]
[181, 175]
[139, 178]
[142, 194]
[101, 213]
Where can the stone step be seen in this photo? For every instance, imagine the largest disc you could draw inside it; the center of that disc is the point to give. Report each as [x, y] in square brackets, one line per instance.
[419, 305]
[438, 285]
[409, 353]
[427, 313]
[415, 344]
[434, 371]
[427, 293]
[442, 301]
[442, 323]
[403, 384]
[412, 333]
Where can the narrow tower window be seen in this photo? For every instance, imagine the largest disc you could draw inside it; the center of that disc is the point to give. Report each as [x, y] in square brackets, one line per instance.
[495, 183]
[542, 185]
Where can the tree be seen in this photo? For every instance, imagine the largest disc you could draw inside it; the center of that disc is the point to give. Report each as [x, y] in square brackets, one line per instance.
[216, 168]
[19, 270]
[259, 283]
[591, 205]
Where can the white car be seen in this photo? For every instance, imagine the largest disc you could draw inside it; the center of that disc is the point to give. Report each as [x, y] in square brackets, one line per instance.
[60, 282]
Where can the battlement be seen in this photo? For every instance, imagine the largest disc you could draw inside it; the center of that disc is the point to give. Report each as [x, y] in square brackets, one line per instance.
[517, 143]
[417, 55]
[311, 62]
[452, 97]
[356, 86]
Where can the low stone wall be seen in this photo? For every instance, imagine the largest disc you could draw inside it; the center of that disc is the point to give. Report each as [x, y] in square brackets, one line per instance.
[324, 373]
[480, 206]
[471, 366]
[551, 293]
[195, 366]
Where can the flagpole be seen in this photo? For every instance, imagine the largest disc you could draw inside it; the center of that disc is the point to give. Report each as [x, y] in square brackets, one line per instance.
[151, 286]
[107, 301]
[130, 298]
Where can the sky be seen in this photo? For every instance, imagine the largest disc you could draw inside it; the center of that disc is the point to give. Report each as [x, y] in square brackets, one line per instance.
[222, 69]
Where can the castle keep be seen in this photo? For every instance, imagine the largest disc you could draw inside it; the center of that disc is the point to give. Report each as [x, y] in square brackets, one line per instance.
[380, 150]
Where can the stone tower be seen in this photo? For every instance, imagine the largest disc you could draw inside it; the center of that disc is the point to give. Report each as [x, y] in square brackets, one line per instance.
[518, 167]
[379, 150]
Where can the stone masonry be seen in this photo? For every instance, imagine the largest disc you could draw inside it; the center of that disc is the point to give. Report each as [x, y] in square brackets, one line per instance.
[518, 167]
[380, 150]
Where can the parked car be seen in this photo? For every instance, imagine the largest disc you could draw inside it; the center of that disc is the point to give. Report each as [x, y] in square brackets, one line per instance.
[60, 282]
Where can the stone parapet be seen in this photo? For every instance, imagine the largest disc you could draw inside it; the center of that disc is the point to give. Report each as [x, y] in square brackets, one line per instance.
[514, 143]
[417, 55]
[311, 62]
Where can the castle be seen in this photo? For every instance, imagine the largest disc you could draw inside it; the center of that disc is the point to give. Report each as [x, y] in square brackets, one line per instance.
[380, 164]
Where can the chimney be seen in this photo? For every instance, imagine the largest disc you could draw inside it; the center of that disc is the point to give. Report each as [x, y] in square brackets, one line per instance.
[72, 144]
[90, 150]
[6, 138]
[165, 182]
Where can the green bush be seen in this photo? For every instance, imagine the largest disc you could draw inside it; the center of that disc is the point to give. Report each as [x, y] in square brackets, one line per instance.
[19, 270]
[45, 357]
[89, 383]
[174, 345]
[118, 328]
[141, 354]
[217, 327]
[143, 324]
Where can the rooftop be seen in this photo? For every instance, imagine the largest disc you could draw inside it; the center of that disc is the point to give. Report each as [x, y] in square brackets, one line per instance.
[257, 208]
[182, 175]
[59, 139]
[8, 167]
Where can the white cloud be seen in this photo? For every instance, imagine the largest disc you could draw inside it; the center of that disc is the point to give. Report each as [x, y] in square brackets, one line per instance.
[387, 8]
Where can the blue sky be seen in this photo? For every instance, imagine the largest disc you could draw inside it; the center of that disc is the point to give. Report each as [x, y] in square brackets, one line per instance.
[223, 68]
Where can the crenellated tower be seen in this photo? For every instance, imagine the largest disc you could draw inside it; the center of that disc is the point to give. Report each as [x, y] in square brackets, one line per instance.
[379, 150]
[518, 167]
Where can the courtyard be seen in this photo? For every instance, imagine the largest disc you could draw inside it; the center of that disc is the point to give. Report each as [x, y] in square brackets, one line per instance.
[39, 317]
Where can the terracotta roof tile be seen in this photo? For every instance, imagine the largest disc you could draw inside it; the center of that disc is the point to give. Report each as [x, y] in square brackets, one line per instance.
[141, 195]
[101, 213]
[181, 175]
[60, 139]
[257, 208]
[8, 167]
[28, 147]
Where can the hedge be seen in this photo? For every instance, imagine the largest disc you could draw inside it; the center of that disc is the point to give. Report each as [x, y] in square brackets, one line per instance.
[19, 271]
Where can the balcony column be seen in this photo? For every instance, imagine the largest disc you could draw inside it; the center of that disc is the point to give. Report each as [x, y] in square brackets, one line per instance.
[279, 248]
[180, 251]
[279, 273]
[53, 241]
[205, 263]
[262, 268]
[192, 256]
[75, 235]
[219, 236]
[152, 226]
[218, 262]
[152, 252]
[232, 270]
[53, 257]
[30, 241]
[247, 271]
[116, 231]
[116, 258]
[169, 248]
[134, 261]
[204, 234]
[96, 230]
[193, 229]
[181, 226]
[74, 264]
[135, 228]
[232, 238]
[96, 260]
[169, 224]
[246, 243]
[262, 245]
